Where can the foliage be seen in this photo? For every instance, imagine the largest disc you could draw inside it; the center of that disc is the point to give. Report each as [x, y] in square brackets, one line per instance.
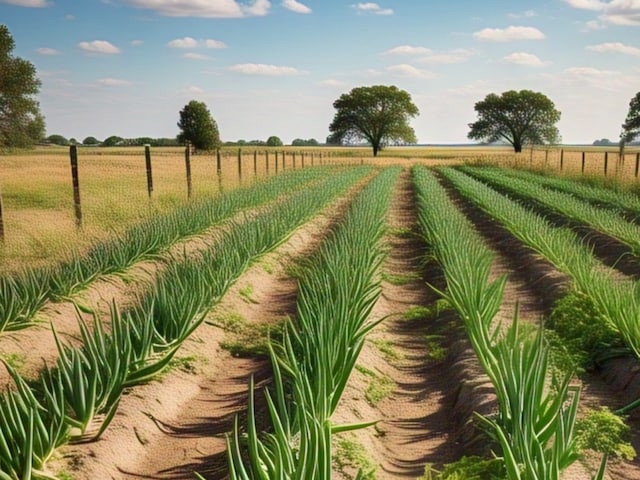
[57, 140]
[112, 141]
[468, 468]
[299, 142]
[379, 114]
[274, 141]
[603, 431]
[631, 126]
[21, 123]
[91, 141]
[198, 127]
[520, 118]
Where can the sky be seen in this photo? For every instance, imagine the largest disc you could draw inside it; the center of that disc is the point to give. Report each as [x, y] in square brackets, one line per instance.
[127, 67]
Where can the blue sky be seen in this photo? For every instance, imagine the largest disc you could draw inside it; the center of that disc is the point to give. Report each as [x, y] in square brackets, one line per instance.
[127, 67]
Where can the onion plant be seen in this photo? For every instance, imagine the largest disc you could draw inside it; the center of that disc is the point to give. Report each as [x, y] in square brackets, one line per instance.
[602, 220]
[31, 429]
[338, 288]
[618, 301]
[537, 412]
[23, 294]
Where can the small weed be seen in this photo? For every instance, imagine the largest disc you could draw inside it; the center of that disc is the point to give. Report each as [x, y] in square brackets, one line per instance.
[399, 279]
[605, 432]
[188, 364]
[379, 388]
[468, 468]
[349, 453]
[387, 348]
[435, 350]
[401, 232]
[246, 293]
[232, 322]
[250, 340]
[15, 360]
[267, 267]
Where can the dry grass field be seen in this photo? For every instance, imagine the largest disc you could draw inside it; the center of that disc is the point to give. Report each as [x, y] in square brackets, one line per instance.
[37, 195]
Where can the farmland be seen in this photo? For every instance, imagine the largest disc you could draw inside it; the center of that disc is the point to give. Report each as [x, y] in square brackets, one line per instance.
[389, 306]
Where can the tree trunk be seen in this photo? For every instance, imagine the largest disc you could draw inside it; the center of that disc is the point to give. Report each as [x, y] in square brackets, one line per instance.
[517, 147]
[376, 148]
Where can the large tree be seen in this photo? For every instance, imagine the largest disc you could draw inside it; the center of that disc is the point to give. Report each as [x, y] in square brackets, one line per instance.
[520, 118]
[379, 114]
[631, 126]
[21, 123]
[198, 127]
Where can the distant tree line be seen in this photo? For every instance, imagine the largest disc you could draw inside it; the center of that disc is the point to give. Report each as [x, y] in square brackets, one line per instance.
[113, 141]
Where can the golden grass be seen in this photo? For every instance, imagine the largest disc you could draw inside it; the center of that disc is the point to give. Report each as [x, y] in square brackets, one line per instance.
[37, 195]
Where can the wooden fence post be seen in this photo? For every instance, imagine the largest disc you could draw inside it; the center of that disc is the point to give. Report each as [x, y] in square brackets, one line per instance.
[266, 161]
[240, 164]
[1, 221]
[276, 161]
[187, 163]
[218, 163]
[284, 159]
[255, 162]
[147, 159]
[312, 158]
[583, 162]
[302, 159]
[294, 160]
[637, 163]
[73, 153]
[606, 162]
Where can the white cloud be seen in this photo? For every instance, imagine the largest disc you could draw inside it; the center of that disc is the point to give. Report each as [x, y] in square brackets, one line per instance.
[405, 70]
[407, 50]
[373, 8]
[204, 9]
[447, 58]
[113, 82]
[69, 17]
[509, 34]
[295, 6]
[617, 12]
[195, 56]
[523, 58]
[186, 42]
[264, 70]
[527, 14]
[48, 51]
[27, 3]
[136, 43]
[332, 82]
[194, 89]
[101, 47]
[217, 44]
[593, 25]
[615, 47]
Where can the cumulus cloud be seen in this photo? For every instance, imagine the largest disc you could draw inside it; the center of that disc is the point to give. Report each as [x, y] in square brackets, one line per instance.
[100, 47]
[295, 6]
[458, 55]
[331, 82]
[217, 44]
[405, 70]
[186, 42]
[617, 12]
[509, 34]
[262, 69]
[48, 51]
[113, 82]
[204, 9]
[372, 8]
[523, 58]
[407, 50]
[27, 3]
[615, 47]
[527, 14]
[195, 56]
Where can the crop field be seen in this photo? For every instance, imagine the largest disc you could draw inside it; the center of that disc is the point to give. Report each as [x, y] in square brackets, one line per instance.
[428, 314]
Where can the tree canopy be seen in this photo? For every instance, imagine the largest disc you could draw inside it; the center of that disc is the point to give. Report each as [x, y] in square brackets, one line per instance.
[631, 126]
[379, 114]
[21, 123]
[274, 141]
[518, 117]
[198, 127]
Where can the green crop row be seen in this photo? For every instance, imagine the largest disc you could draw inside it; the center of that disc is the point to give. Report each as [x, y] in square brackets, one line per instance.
[76, 399]
[338, 288]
